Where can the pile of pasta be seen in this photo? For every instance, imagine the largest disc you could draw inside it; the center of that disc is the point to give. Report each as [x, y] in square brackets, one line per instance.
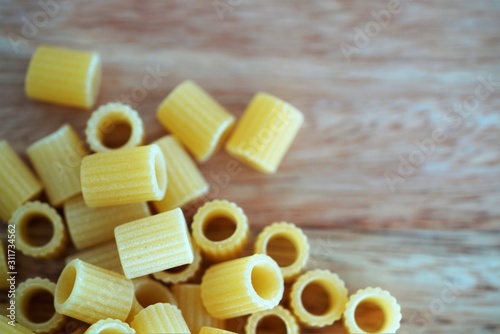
[139, 267]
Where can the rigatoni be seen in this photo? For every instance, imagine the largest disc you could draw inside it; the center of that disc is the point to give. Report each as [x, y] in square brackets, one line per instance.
[186, 183]
[181, 273]
[91, 226]
[90, 293]
[372, 310]
[149, 292]
[265, 132]
[113, 126]
[110, 326]
[154, 244]
[276, 320]
[7, 328]
[103, 255]
[242, 286]
[64, 76]
[35, 306]
[125, 176]
[40, 230]
[194, 117]
[4, 284]
[57, 159]
[19, 184]
[160, 318]
[212, 330]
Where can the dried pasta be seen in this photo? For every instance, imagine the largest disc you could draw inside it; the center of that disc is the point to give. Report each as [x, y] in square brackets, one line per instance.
[40, 230]
[186, 183]
[6, 328]
[19, 184]
[91, 226]
[64, 76]
[242, 286]
[188, 298]
[35, 306]
[89, 293]
[265, 132]
[287, 245]
[4, 284]
[155, 243]
[318, 298]
[125, 176]
[275, 320]
[212, 330]
[221, 230]
[194, 117]
[160, 318]
[372, 310]
[110, 326]
[57, 159]
[182, 273]
[113, 126]
[103, 255]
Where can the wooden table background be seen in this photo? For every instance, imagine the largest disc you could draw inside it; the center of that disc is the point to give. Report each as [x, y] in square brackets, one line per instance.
[432, 240]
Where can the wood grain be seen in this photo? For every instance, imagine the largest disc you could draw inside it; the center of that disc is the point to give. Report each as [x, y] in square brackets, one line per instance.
[440, 222]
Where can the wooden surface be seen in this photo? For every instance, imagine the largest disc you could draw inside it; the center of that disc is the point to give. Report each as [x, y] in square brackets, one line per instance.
[431, 235]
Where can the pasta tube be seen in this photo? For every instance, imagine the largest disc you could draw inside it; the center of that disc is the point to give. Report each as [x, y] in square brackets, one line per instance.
[242, 286]
[103, 255]
[318, 298]
[160, 318]
[89, 293]
[35, 306]
[287, 245]
[212, 330]
[4, 284]
[19, 184]
[57, 159]
[124, 176]
[155, 243]
[276, 320]
[372, 310]
[265, 132]
[7, 328]
[221, 230]
[40, 230]
[182, 273]
[64, 76]
[188, 298]
[91, 226]
[113, 126]
[110, 326]
[194, 117]
[186, 183]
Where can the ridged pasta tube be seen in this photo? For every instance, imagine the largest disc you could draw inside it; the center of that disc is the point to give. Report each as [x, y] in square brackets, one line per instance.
[4, 284]
[212, 330]
[182, 273]
[275, 320]
[7, 328]
[103, 255]
[110, 326]
[160, 318]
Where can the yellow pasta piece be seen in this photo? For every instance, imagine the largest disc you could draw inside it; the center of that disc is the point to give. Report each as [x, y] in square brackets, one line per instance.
[125, 176]
[242, 286]
[4, 284]
[221, 230]
[372, 310]
[155, 243]
[113, 126]
[181, 273]
[6, 326]
[19, 184]
[35, 306]
[160, 318]
[57, 159]
[149, 292]
[64, 76]
[103, 255]
[40, 230]
[276, 320]
[287, 245]
[188, 298]
[89, 293]
[212, 330]
[265, 132]
[110, 326]
[194, 117]
[186, 183]
[91, 226]
[318, 298]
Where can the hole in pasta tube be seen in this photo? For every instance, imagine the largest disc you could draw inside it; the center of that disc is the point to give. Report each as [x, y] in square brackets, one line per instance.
[150, 293]
[315, 298]
[369, 316]
[115, 131]
[282, 250]
[68, 279]
[179, 269]
[218, 228]
[39, 306]
[36, 230]
[271, 324]
[265, 282]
